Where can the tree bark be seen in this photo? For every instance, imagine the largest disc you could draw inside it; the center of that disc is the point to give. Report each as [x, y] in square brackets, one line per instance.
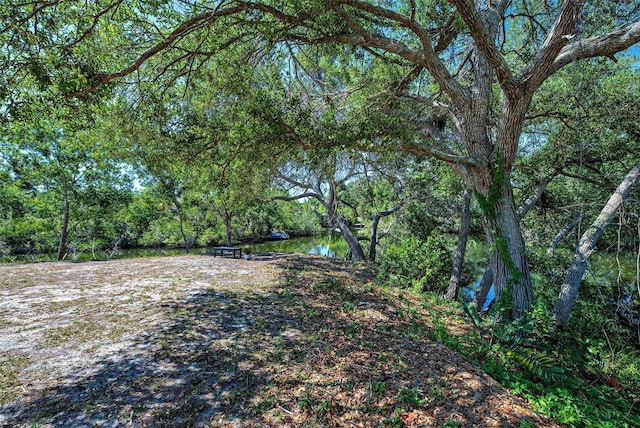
[373, 240]
[181, 223]
[354, 245]
[62, 246]
[227, 225]
[461, 247]
[511, 268]
[586, 246]
[480, 296]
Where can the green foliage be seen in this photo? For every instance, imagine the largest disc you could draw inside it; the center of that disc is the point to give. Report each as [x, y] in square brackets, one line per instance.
[489, 202]
[423, 265]
[433, 188]
[411, 396]
[564, 394]
[536, 362]
[473, 315]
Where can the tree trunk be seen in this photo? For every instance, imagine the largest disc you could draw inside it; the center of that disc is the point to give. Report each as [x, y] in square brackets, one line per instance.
[62, 246]
[480, 295]
[354, 245]
[492, 180]
[587, 244]
[373, 240]
[511, 269]
[461, 247]
[181, 223]
[227, 225]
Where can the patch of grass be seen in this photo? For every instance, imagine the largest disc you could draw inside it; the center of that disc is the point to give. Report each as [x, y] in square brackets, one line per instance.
[328, 283]
[324, 406]
[348, 306]
[437, 392]
[305, 401]
[394, 421]
[9, 383]
[352, 329]
[77, 331]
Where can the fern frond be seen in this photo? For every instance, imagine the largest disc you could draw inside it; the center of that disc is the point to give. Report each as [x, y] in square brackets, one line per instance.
[537, 362]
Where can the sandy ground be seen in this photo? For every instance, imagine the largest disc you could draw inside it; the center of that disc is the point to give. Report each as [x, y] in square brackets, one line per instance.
[203, 341]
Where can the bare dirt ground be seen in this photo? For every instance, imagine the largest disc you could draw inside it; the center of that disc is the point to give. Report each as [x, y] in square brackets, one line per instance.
[207, 342]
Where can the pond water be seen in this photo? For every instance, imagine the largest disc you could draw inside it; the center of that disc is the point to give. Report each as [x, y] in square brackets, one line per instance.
[330, 245]
[605, 268]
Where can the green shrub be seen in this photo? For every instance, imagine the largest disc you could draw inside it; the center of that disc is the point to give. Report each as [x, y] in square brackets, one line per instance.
[424, 265]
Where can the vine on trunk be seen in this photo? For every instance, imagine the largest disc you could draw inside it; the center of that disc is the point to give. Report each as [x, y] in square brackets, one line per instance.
[488, 206]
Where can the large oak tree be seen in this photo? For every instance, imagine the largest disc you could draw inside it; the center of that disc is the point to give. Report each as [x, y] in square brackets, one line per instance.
[460, 58]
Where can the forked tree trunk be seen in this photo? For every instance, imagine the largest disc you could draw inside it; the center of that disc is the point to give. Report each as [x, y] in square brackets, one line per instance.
[587, 244]
[62, 246]
[461, 247]
[354, 245]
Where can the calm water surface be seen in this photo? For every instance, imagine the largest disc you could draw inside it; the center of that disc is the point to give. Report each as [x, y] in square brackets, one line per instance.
[331, 245]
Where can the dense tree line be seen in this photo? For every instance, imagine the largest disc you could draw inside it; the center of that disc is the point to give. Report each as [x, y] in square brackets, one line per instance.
[193, 123]
[459, 78]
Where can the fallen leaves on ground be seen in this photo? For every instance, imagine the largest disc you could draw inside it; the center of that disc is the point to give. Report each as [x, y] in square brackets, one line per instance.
[278, 341]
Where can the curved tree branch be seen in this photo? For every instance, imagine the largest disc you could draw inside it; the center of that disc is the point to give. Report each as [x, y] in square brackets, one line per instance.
[535, 196]
[483, 40]
[425, 57]
[182, 30]
[606, 45]
[297, 197]
[559, 34]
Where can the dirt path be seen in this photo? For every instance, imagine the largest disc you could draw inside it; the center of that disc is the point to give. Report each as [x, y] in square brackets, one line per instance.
[202, 341]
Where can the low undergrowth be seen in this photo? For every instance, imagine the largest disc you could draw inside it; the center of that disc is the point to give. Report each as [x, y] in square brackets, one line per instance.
[577, 381]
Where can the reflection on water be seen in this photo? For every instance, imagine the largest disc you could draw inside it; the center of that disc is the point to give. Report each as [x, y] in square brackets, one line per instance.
[331, 245]
[604, 267]
[623, 268]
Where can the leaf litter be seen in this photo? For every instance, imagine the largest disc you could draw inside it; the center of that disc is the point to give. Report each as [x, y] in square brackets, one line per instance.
[281, 340]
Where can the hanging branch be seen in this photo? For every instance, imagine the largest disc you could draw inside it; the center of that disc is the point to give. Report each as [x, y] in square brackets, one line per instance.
[587, 244]
[180, 32]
